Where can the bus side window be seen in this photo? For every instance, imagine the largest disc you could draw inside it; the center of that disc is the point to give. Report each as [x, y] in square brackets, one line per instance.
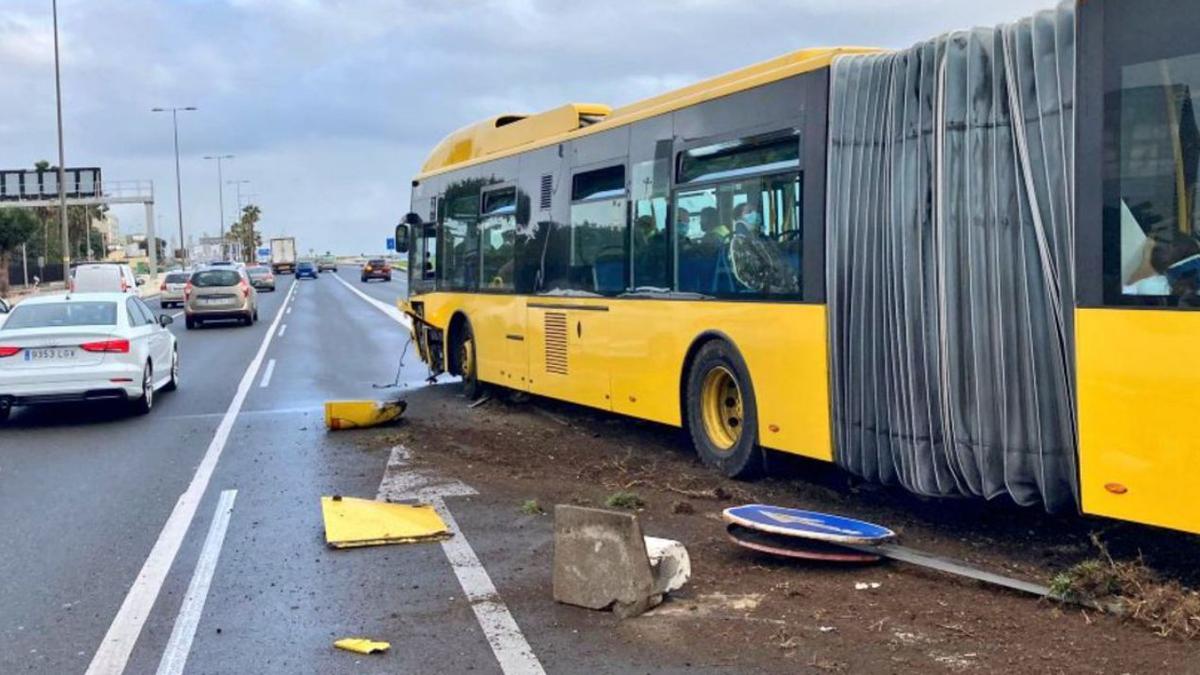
[593, 245]
[738, 218]
[649, 242]
[460, 237]
[498, 230]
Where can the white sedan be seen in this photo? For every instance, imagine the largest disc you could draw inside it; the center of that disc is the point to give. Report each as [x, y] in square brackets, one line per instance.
[85, 347]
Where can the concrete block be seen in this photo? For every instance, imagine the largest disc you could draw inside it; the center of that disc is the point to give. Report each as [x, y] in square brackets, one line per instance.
[602, 561]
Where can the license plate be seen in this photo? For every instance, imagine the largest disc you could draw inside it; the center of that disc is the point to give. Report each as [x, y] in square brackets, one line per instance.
[213, 301]
[51, 354]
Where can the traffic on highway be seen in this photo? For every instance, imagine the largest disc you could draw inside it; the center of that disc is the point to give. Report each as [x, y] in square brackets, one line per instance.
[338, 337]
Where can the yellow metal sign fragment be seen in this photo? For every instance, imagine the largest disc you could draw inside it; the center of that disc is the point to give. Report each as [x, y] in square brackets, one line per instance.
[351, 522]
[362, 645]
[359, 414]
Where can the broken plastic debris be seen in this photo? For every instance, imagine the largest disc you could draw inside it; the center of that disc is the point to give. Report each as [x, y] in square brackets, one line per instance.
[351, 522]
[362, 645]
[864, 585]
[360, 414]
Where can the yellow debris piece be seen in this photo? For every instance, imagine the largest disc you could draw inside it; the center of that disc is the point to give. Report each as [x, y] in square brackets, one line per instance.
[359, 414]
[351, 522]
[362, 645]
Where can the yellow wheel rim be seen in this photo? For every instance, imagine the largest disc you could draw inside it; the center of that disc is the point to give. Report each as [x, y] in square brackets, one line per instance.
[468, 359]
[721, 407]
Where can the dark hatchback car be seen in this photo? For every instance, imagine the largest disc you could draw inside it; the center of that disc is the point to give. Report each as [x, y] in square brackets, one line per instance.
[306, 268]
[376, 269]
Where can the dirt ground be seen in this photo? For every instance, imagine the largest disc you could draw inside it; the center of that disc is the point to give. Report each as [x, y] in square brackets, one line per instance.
[782, 615]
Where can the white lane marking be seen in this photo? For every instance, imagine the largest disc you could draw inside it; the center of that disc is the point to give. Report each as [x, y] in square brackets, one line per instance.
[289, 309]
[390, 310]
[266, 378]
[282, 329]
[180, 645]
[113, 653]
[508, 643]
[176, 315]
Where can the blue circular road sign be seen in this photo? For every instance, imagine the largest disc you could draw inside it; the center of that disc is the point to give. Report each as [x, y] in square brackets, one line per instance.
[807, 524]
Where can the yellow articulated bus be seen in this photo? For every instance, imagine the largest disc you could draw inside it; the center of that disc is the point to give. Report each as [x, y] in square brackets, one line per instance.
[970, 267]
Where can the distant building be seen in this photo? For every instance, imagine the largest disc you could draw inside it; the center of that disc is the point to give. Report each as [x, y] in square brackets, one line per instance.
[109, 227]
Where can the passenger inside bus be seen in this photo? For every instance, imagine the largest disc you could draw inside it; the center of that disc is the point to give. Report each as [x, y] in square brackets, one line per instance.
[752, 255]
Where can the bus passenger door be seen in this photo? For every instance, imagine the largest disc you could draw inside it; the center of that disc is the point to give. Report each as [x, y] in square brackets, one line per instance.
[567, 352]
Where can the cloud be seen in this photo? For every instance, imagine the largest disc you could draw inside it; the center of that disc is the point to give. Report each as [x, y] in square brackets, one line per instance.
[331, 105]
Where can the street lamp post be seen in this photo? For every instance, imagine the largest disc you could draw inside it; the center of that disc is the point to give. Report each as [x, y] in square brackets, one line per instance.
[178, 185]
[62, 171]
[221, 198]
[239, 184]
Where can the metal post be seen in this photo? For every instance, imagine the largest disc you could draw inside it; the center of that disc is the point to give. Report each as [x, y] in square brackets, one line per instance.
[221, 206]
[221, 199]
[178, 182]
[151, 242]
[62, 172]
[25, 265]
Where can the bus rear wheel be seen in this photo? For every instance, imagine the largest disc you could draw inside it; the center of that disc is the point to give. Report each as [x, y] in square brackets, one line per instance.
[722, 418]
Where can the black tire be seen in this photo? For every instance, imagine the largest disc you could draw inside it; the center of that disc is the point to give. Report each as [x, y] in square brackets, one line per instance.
[5, 411]
[363, 280]
[256, 315]
[189, 322]
[725, 435]
[173, 383]
[465, 348]
[248, 320]
[145, 403]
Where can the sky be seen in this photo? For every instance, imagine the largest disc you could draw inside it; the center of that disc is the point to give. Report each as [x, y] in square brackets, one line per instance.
[330, 106]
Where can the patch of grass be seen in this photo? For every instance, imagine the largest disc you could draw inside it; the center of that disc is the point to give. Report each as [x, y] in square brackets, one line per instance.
[531, 507]
[1131, 589]
[624, 500]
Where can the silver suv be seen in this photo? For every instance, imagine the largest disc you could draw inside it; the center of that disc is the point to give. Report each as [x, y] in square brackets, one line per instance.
[216, 293]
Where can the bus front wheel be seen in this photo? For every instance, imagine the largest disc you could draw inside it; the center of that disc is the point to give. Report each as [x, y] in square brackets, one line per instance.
[468, 366]
[721, 414]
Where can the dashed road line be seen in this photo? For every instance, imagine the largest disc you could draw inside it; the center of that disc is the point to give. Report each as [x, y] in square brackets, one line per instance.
[113, 653]
[175, 655]
[508, 643]
[267, 373]
[282, 329]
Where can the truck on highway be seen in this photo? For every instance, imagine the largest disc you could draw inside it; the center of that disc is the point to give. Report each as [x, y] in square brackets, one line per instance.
[283, 255]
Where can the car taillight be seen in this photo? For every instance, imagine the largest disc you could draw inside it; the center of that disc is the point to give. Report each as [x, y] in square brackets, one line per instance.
[113, 346]
[9, 351]
[245, 288]
[187, 289]
[163, 287]
[124, 285]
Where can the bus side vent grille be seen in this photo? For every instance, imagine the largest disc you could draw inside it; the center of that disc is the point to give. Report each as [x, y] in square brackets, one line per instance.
[556, 343]
[547, 191]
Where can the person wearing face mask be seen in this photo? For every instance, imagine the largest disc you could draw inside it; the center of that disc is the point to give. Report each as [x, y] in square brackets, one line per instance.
[747, 219]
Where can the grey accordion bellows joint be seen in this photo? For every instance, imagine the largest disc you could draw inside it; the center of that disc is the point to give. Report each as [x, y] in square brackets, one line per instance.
[950, 263]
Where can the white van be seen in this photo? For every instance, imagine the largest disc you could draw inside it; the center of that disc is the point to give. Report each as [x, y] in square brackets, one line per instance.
[103, 278]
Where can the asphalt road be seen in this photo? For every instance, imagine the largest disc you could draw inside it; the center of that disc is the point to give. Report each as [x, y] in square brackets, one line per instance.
[93, 498]
[86, 493]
